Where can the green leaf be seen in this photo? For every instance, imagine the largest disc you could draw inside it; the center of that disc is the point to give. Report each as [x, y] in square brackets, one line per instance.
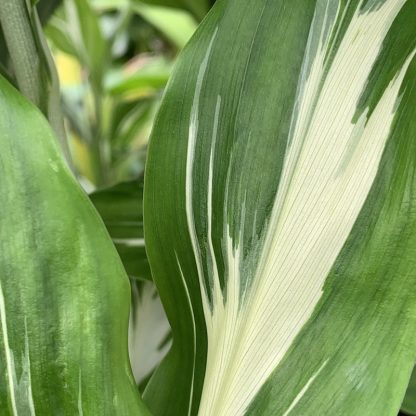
[409, 402]
[121, 208]
[177, 25]
[79, 34]
[46, 8]
[198, 8]
[63, 350]
[153, 75]
[280, 211]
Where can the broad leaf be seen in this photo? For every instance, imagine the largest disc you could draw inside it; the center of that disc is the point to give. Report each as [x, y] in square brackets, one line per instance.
[280, 211]
[63, 349]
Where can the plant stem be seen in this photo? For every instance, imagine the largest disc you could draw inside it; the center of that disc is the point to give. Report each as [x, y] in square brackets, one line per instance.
[14, 18]
[32, 62]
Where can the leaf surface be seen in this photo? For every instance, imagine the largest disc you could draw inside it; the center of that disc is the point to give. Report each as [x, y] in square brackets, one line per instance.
[63, 350]
[281, 230]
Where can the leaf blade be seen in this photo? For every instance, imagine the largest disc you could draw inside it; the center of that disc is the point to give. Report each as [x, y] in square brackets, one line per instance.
[55, 287]
[258, 102]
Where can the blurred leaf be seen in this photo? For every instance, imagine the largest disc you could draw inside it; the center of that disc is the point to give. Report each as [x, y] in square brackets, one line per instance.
[56, 31]
[150, 76]
[105, 5]
[92, 48]
[199, 8]
[409, 402]
[46, 8]
[178, 26]
[121, 209]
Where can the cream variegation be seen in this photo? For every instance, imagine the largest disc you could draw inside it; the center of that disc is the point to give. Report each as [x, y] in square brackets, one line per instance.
[253, 260]
[330, 165]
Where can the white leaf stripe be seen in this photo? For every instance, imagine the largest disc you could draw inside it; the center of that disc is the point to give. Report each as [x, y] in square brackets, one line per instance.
[193, 330]
[11, 375]
[330, 166]
[192, 138]
[304, 389]
[20, 390]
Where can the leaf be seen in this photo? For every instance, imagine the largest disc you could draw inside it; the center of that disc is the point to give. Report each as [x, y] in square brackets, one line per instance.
[121, 209]
[177, 25]
[78, 33]
[409, 402]
[63, 350]
[46, 8]
[280, 211]
[152, 75]
[198, 8]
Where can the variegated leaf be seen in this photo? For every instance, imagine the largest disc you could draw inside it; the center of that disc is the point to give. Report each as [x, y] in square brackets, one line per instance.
[280, 211]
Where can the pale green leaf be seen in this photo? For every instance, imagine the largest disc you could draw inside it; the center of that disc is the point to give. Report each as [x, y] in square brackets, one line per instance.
[151, 76]
[280, 211]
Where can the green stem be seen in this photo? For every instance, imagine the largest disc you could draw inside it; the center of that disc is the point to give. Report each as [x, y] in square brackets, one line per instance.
[32, 62]
[14, 18]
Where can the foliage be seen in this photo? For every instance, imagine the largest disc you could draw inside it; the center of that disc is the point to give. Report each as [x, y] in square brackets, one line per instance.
[275, 218]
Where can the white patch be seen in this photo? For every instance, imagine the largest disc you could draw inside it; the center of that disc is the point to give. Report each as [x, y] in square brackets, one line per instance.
[329, 169]
[304, 390]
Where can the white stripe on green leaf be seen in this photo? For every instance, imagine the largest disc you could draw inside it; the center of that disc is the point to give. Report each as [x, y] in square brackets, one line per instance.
[304, 389]
[20, 389]
[331, 163]
[11, 374]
